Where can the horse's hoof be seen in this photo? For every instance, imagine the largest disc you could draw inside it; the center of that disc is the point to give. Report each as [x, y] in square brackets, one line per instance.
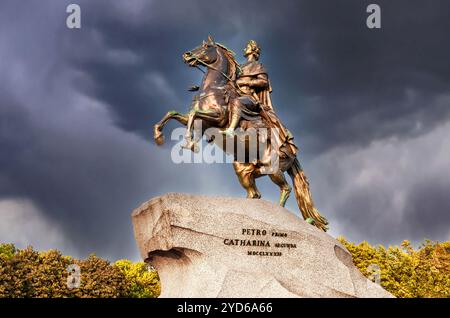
[158, 136]
[192, 146]
[310, 221]
[159, 140]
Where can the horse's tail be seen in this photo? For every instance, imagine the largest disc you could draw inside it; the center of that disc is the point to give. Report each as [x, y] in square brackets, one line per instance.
[304, 198]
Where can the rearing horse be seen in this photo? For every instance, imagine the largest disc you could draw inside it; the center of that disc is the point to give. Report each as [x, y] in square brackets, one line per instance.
[211, 107]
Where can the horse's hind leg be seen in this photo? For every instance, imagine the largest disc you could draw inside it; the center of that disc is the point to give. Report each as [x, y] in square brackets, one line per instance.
[245, 173]
[285, 189]
[157, 129]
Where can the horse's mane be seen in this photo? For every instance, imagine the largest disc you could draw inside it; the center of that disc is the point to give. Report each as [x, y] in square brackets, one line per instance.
[234, 65]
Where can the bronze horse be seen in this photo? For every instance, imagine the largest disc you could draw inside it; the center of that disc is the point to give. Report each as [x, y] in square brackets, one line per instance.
[210, 106]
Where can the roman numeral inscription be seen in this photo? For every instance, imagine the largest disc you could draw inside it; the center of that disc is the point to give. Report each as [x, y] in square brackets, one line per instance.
[261, 242]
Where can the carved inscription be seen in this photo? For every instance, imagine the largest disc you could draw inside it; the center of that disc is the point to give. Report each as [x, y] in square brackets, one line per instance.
[261, 242]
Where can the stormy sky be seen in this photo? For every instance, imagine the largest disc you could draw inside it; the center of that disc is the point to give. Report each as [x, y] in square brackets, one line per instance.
[369, 109]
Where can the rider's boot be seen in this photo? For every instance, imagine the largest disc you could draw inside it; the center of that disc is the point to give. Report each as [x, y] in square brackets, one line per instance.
[235, 117]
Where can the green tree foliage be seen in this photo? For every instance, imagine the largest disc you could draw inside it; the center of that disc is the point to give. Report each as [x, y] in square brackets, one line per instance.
[28, 273]
[406, 272]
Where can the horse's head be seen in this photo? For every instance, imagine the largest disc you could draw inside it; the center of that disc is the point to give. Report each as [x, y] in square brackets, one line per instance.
[210, 52]
[206, 53]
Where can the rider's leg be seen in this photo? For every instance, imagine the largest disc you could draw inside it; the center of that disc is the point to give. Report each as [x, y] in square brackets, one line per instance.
[235, 117]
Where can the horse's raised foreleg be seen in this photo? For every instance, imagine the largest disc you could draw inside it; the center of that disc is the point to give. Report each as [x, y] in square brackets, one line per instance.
[210, 115]
[157, 129]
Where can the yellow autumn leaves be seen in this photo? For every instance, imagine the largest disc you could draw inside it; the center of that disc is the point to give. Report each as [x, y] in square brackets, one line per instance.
[405, 271]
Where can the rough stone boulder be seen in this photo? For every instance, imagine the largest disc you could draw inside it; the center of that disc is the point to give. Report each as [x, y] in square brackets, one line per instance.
[230, 247]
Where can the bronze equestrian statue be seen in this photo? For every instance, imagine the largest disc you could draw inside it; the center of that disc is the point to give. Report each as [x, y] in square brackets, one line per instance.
[231, 98]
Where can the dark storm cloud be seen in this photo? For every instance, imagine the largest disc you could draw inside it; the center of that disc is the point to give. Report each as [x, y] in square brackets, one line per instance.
[354, 83]
[429, 206]
[59, 149]
[141, 93]
[77, 107]
[389, 191]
